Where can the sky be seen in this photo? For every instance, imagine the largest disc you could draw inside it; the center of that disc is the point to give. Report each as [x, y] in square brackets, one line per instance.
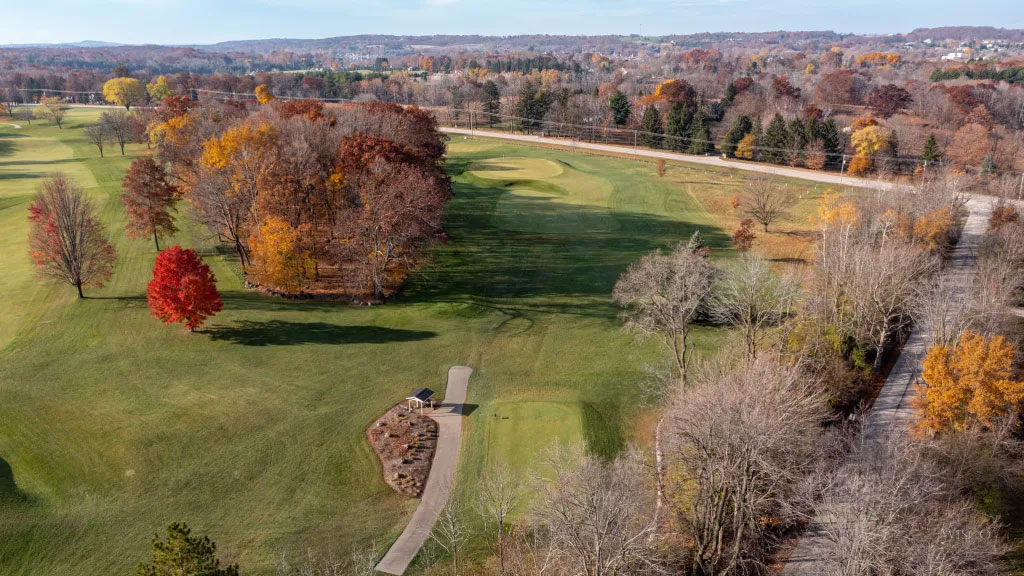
[209, 21]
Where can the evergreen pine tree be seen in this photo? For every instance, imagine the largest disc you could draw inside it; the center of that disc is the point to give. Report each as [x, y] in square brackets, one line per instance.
[619, 105]
[833, 143]
[492, 101]
[775, 143]
[758, 133]
[812, 129]
[676, 137]
[700, 135]
[740, 128]
[651, 127]
[798, 141]
[931, 154]
[730, 93]
[696, 242]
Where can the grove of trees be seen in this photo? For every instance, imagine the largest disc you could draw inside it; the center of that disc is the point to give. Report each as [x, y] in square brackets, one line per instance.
[342, 199]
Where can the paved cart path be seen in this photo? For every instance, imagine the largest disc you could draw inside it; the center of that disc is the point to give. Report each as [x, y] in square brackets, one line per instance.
[814, 176]
[893, 411]
[442, 475]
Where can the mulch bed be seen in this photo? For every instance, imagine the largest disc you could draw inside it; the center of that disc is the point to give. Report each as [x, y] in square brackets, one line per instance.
[404, 442]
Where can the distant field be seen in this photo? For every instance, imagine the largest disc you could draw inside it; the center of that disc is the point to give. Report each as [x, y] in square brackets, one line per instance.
[112, 425]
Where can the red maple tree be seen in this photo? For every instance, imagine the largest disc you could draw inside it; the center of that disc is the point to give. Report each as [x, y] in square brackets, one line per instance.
[183, 289]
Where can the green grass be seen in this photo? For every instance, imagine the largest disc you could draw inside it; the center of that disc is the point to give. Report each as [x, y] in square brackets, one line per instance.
[112, 425]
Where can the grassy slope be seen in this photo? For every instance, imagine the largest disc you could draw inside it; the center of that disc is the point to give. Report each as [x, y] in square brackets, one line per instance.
[112, 426]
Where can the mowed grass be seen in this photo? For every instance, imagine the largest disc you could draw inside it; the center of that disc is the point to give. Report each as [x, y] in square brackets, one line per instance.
[112, 426]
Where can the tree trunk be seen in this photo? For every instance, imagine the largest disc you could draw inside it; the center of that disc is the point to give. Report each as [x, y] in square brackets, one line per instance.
[79, 286]
[156, 241]
[880, 350]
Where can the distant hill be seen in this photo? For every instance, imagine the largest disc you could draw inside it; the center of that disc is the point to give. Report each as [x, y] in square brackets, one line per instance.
[965, 33]
[82, 44]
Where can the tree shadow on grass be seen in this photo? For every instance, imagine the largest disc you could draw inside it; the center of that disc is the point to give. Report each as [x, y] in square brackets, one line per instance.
[37, 162]
[20, 176]
[8, 488]
[284, 333]
[541, 250]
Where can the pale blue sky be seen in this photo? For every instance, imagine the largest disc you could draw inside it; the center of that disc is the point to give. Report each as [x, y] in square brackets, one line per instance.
[206, 21]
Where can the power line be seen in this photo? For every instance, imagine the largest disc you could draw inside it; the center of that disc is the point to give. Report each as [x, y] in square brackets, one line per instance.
[627, 133]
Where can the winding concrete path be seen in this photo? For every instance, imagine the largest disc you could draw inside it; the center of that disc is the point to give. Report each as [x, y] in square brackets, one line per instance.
[442, 475]
[893, 411]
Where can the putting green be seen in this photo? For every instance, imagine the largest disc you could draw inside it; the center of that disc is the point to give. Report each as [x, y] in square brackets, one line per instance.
[516, 168]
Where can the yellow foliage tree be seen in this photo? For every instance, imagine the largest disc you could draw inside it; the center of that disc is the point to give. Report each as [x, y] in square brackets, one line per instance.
[263, 95]
[970, 384]
[746, 147]
[246, 154]
[833, 210]
[277, 260]
[868, 141]
[159, 89]
[175, 131]
[933, 228]
[125, 92]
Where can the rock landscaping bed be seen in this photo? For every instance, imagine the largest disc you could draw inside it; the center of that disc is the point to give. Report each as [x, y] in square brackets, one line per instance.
[405, 442]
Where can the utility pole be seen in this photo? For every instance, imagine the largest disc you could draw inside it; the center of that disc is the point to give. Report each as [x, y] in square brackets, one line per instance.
[634, 142]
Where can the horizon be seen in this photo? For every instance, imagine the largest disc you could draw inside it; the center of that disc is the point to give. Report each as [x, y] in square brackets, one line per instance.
[161, 22]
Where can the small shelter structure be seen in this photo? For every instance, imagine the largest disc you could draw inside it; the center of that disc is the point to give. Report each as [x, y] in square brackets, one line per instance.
[420, 398]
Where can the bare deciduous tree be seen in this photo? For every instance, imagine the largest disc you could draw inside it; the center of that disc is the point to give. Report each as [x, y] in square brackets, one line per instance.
[889, 511]
[598, 516]
[25, 115]
[97, 134]
[883, 283]
[67, 241]
[450, 531]
[752, 297]
[361, 563]
[662, 295]
[118, 126]
[53, 109]
[499, 495]
[740, 443]
[940, 309]
[766, 201]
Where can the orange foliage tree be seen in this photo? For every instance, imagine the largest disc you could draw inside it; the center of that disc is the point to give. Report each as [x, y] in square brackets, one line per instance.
[970, 146]
[934, 228]
[148, 200]
[263, 95]
[972, 384]
[278, 261]
[743, 238]
[1002, 214]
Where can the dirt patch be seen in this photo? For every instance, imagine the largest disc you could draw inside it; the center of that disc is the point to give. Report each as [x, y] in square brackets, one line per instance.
[405, 442]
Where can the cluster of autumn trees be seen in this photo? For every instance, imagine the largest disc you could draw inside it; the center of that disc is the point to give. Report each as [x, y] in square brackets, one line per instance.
[753, 445]
[344, 199]
[69, 244]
